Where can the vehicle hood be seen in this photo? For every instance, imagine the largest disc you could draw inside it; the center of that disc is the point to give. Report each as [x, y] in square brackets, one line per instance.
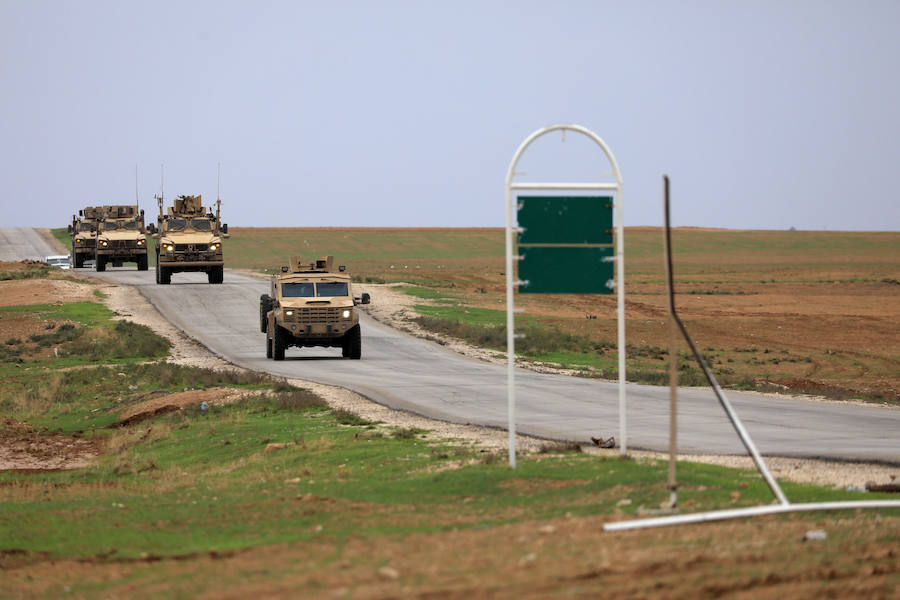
[338, 302]
[191, 237]
[121, 235]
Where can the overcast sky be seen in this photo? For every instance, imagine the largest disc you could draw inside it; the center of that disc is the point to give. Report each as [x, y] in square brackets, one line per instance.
[766, 115]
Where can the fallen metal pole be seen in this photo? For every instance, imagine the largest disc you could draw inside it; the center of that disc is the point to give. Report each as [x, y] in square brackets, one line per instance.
[726, 405]
[751, 511]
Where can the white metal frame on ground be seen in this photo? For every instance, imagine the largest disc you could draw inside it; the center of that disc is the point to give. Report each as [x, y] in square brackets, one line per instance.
[511, 283]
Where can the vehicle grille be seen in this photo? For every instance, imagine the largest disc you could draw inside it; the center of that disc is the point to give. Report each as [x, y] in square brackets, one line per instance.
[191, 247]
[318, 314]
[123, 244]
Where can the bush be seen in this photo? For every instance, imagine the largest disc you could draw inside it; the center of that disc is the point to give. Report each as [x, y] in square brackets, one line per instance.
[345, 417]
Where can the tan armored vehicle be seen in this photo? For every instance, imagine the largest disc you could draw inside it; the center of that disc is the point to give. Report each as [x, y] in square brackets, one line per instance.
[121, 237]
[189, 239]
[311, 304]
[83, 231]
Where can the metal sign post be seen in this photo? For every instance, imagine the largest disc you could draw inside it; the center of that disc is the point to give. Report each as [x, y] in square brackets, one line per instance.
[544, 244]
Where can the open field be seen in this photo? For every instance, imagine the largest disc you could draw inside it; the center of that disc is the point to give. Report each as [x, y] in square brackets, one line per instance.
[270, 492]
[812, 312]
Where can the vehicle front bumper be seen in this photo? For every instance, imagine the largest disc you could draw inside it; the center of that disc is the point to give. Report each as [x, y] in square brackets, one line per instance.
[175, 262]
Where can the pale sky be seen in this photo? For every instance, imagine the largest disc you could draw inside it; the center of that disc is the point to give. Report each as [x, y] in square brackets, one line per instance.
[766, 115]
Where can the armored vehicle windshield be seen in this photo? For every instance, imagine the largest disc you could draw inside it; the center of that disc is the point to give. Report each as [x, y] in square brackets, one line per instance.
[330, 289]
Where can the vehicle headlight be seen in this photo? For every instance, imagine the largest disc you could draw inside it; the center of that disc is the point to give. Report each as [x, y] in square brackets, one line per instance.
[289, 313]
[104, 243]
[140, 242]
[79, 241]
[214, 247]
[346, 314]
[168, 247]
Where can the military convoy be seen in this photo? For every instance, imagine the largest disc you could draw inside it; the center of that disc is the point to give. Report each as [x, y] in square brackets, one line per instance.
[311, 304]
[83, 230]
[111, 234]
[189, 238]
[120, 237]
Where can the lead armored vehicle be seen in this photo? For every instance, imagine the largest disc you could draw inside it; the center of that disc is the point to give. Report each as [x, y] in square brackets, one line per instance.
[311, 304]
[83, 231]
[121, 237]
[189, 239]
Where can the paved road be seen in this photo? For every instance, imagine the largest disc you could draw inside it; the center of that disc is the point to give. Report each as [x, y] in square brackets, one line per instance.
[425, 378]
[18, 243]
[407, 373]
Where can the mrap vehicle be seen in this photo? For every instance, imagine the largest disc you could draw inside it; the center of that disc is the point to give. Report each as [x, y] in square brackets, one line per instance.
[311, 304]
[84, 231]
[190, 239]
[121, 237]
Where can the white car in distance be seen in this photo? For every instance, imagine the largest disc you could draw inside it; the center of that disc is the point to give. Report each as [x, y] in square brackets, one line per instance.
[60, 260]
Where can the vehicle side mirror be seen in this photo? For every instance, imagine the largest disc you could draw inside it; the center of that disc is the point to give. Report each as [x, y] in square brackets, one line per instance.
[151, 228]
[366, 298]
[225, 228]
[70, 230]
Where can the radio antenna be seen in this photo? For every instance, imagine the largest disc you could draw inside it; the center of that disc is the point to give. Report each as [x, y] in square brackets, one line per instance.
[218, 197]
[159, 198]
[136, 196]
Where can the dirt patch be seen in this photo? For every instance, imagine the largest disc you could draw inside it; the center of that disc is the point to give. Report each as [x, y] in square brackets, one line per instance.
[158, 405]
[23, 292]
[25, 448]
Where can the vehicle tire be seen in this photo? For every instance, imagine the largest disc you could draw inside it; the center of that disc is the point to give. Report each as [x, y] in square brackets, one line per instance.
[278, 343]
[216, 274]
[142, 263]
[100, 263]
[165, 276]
[354, 344]
[268, 347]
[79, 261]
[265, 305]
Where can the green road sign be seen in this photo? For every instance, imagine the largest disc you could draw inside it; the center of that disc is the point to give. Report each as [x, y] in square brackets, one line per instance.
[565, 219]
[566, 245]
[566, 270]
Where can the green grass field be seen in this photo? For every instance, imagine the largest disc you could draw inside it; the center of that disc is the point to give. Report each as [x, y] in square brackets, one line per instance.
[283, 476]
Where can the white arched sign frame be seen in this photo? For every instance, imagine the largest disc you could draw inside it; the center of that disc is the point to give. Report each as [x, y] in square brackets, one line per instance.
[511, 282]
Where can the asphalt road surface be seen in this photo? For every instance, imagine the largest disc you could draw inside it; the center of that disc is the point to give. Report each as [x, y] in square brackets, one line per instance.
[19, 243]
[407, 373]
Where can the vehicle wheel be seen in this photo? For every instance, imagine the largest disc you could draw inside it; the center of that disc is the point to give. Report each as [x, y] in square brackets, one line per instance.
[354, 344]
[142, 263]
[265, 305]
[278, 343]
[165, 276]
[216, 275]
[79, 261]
[268, 347]
[100, 264]
[157, 269]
